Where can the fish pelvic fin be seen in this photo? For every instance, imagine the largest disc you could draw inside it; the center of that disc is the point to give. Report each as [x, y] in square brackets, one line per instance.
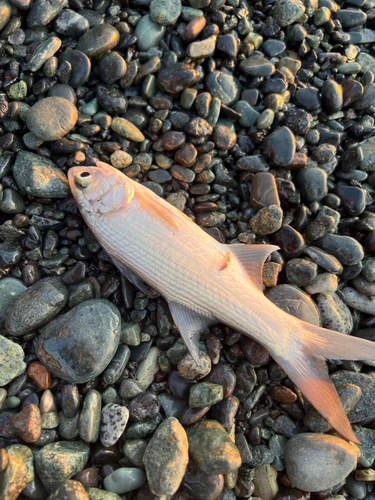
[306, 367]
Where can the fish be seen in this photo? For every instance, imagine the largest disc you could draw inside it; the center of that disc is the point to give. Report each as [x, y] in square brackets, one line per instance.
[207, 282]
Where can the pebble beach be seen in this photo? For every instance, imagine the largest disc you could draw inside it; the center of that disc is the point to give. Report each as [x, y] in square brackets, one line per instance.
[256, 118]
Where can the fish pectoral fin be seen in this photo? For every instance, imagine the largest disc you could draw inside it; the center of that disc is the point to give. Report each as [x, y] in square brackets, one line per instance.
[190, 324]
[133, 278]
[251, 258]
[309, 374]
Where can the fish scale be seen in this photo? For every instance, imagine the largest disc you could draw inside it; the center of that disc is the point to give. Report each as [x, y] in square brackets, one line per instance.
[206, 282]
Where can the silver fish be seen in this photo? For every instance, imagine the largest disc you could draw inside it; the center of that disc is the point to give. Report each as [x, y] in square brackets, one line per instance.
[206, 282]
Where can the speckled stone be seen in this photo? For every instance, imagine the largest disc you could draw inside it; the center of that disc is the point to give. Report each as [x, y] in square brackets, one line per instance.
[334, 312]
[11, 361]
[113, 422]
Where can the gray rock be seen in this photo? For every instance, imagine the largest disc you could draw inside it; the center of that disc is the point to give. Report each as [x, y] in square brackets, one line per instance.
[286, 12]
[148, 33]
[98, 494]
[98, 40]
[358, 301]
[59, 461]
[11, 361]
[124, 479]
[73, 490]
[44, 51]
[36, 306]
[39, 176]
[166, 458]
[165, 12]
[334, 312]
[51, 118]
[316, 462]
[223, 86]
[89, 419]
[113, 423]
[79, 345]
[10, 289]
[43, 11]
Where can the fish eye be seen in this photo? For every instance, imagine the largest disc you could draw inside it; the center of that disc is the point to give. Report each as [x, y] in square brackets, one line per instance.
[83, 179]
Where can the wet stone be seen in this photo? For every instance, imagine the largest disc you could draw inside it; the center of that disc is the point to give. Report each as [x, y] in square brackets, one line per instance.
[98, 40]
[174, 79]
[113, 101]
[89, 325]
[280, 147]
[366, 99]
[28, 423]
[80, 64]
[332, 97]
[312, 182]
[257, 66]
[124, 479]
[264, 190]
[112, 67]
[267, 221]
[295, 302]
[57, 462]
[166, 458]
[225, 411]
[148, 33]
[221, 374]
[19, 471]
[286, 12]
[223, 86]
[212, 449]
[301, 272]
[346, 249]
[308, 98]
[36, 306]
[89, 419]
[353, 199]
[70, 23]
[143, 407]
[205, 394]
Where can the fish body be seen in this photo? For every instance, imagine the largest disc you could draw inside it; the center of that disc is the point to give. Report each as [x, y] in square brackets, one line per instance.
[206, 282]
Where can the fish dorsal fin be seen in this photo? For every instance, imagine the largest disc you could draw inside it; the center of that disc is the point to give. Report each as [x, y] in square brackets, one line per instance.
[161, 208]
[190, 324]
[251, 258]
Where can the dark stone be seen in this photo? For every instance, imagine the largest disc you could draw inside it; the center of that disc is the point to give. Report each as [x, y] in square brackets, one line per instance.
[280, 147]
[264, 191]
[173, 79]
[143, 407]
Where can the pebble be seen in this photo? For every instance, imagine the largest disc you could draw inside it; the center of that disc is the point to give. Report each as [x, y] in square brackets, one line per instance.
[211, 448]
[301, 272]
[57, 462]
[265, 482]
[28, 423]
[280, 147]
[286, 12]
[98, 40]
[148, 33]
[334, 312]
[113, 422]
[98, 494]
[267, 221]
[89, 419]
[18, 473]
[51, 118]
[346, 249]
[10, 289]
[38, 176]
[80, 64]
[69, 489]
[39, 373]
[358, 301]
[264, 191]
[166, 458]
[11, 361]
[124, 479]
[36, 306]
[188, 369]
[257, 66]
[199, 485]
[205, 394]
[224, 86]
[143, 407]
[148, 368]
[306, 458]
[127, 129]
[165, 12]
[295, 302]
[75, 356]
[71, 23]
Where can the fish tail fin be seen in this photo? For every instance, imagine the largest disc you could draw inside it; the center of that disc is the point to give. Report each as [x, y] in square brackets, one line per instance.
[307, 369]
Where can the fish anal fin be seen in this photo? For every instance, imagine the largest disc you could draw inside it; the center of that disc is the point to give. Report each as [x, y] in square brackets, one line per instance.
[309, 374]
[190, 324]
[251, 258]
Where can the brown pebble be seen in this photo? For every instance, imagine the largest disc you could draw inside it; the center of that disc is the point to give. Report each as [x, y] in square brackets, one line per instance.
[299, 161]
[20, 220]
[40, 374]
[224, 137]
[88, 478]
[173, 140]
[190, 370]
[254, 352]
[282, 394]
[213, 345]
[186, 155]
[28, 423]
[270, 273]
[194, 28]
[4, 458]
[192, 415]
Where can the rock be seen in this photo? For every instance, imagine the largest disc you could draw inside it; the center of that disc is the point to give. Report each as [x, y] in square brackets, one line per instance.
[325, 282]
[38, 176]
[223, 86]
[28, 423]
[57, 462]
[307, 456]
[257, 66]
[148, 368]
[18, 473]
[205, 394]
[312, 183]
[51, 118]
[166, 458]
[165, 12]
[211, 448]
[267, 221]
[265, 482]
[332, 96]
[280, 147]
[143, 407]
[88, 344]
[69, 489]
[36, 306]
[124, 479]
[113, 422]
[176, 78]
[334, 313]
[347, 250]
[43, 12]
[11, 361]
[301, 272]
[263, 190]
[358, 301]
[70, 23]
[80, 64]
[286, 12]
[294, 301]
[148, 33]
[190, 370]
[127, 129]
[98, 40]
[45, 50]
[10, 289]
[89, 419]
[98, 494]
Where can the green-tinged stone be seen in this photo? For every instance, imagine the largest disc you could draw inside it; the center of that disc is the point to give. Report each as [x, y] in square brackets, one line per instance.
[351, 68]
[98, 40]
[214, 111]
[211, 448]
[59, 461]
[31, 141]
[226, 87]
[90, 108]
[265, 119]
[322, 16]
[44, 51]
[50, 420]
[124, 479]
[89, 421]
[19, 472]
[265, 482]
[11, 202]
[366, 62]
[11, 360]
[188, 97]
[130, 388]
[110, 395]
[126, 129]
[134, 450]
[13, 402]
[18, 91]
[10, 288]
[368, 271]
[205, 394]
[172, 406]
[188, 13]
[286, 12]
[139, 430]
[165, 12]
[98, 494]
[166, 458]
[249, 115]
[80, 293]
[148, 368]
[131, 333]
[148, 33]
[68, 427]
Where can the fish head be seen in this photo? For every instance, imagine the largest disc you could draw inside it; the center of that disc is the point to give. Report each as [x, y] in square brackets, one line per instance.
[101, 189]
